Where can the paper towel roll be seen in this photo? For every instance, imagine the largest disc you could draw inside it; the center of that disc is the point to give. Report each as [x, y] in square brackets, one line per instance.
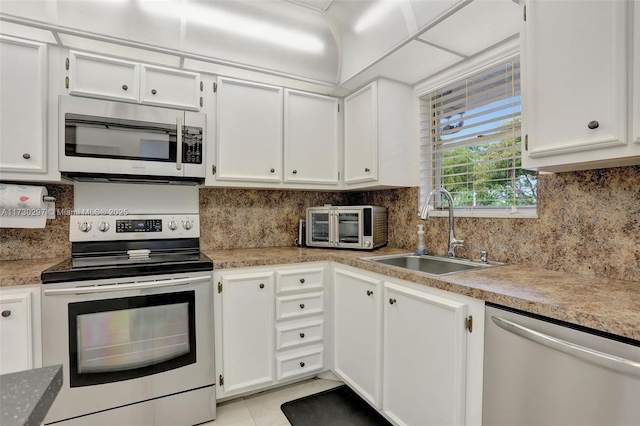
[22, 206]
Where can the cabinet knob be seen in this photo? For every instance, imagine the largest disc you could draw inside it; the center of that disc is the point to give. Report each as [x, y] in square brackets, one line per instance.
[295, 172]
[392, 301]
[302, 306]
[154, 91]
[302, 335]
[272, 170]
[367, 169]
[6, 313]
[125, 87]
[301, 280]
[302, 364]
[261, 285]
[26, 155]
[593, 125]
[369, 292]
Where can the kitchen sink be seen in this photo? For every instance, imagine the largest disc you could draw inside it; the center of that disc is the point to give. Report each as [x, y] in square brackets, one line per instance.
[430, 264]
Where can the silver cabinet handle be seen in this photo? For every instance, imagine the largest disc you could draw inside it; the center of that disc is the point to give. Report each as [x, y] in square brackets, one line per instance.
[295, 172]
[179, 143]
[123, 287]
[26, 155]
[612, 362]
[6, 313]
[593, 125]
[125, 87]
[261, 285]
[302, 306]
[154, 91]
[272, 170]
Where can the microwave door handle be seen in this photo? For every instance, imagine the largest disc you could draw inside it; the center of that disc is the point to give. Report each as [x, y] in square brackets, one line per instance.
[336, 229]
[179, 143]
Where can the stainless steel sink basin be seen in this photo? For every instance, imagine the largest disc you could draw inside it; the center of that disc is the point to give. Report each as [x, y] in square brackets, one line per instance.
[430, 264]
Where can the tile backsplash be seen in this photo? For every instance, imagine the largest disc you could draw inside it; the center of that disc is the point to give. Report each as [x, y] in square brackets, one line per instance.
[589, 223]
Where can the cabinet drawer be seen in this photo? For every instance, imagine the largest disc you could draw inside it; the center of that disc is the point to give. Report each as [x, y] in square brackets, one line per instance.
[299, 334]
[299, 363]
[299, 280]
[168, 87]
[299, 305]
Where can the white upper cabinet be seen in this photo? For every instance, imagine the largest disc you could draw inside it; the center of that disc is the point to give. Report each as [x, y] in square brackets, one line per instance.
[101, 77]
[114, 79]
[311, 124]
[379, 147]
[575, 94]
[23, 118]
[249, 132]
[172, 88]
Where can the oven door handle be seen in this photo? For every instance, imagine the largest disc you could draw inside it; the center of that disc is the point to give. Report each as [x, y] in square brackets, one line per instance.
[123, 287]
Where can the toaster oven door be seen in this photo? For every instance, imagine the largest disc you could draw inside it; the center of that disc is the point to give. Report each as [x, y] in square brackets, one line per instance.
[347, 227]
[318, 228]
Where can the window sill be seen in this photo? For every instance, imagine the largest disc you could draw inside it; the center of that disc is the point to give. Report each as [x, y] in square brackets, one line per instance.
[502, 214]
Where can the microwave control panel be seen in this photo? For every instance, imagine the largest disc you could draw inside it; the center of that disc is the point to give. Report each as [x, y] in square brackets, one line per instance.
[192, 145]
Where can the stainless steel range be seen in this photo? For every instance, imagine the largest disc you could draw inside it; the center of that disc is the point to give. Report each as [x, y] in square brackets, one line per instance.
[130, 318]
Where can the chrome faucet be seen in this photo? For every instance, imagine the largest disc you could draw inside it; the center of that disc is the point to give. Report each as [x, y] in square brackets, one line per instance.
[424, 215]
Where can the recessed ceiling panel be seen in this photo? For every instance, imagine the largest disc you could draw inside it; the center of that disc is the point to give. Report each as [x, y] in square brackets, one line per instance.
[410, 64]
[477, 26]
[367, 30]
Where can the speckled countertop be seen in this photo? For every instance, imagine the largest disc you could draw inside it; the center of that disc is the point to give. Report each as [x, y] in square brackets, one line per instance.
[603, 304]
[27, 395]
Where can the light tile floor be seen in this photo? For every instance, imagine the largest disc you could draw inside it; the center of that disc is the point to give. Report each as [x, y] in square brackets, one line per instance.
[263, 409]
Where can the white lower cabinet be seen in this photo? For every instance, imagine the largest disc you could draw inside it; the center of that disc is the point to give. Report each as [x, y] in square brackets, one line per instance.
[358, 332]
[407, 350]
[424, 358]
[269, 326]
[413, 352]
[20, 335]
[244, 322]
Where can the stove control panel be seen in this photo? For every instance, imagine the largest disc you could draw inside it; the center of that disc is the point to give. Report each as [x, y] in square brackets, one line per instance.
[146, 225]
[133, 227]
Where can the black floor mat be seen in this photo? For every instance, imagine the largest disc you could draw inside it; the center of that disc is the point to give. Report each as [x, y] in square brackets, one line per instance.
[335, 407]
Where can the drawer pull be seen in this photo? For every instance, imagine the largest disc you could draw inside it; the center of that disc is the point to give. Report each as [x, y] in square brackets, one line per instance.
[125, 87]
[302, 335]
[6, 313]
[301, 280]
[392, 301]
[261, 285]
[302, 306]
[369, 292]
[593, 125]
[302, 364]
[26, 155]
[154, 91]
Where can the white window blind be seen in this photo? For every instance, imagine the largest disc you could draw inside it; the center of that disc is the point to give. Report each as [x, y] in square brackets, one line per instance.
[470, 144]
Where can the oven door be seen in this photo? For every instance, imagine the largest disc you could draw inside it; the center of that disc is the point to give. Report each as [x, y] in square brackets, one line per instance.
[125, 341]
[115, 138]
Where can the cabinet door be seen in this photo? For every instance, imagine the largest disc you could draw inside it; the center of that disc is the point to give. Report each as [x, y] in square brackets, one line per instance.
[424, 358]
[361, 135]
[574, 83]
[101, 77]
[358, 333]
[23, 88]
[310, 138]
[16, 352]
[172, 88]
[249, 132]
[247, 332]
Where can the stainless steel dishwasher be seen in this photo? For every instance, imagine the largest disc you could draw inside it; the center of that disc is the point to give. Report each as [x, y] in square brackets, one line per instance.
[543, 372]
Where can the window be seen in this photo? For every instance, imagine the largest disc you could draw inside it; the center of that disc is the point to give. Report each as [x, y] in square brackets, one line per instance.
[470, 145]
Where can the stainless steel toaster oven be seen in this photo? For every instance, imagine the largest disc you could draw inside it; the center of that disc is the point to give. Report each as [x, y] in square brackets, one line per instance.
[353, 227]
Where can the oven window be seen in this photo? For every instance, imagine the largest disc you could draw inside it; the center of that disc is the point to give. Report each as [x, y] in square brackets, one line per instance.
[119, 339]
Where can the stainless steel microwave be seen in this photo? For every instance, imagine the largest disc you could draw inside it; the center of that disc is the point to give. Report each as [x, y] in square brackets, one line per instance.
[353, 227]
[105, 140]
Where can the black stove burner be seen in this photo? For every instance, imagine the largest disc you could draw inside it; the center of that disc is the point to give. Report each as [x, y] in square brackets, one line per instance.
[102, 260]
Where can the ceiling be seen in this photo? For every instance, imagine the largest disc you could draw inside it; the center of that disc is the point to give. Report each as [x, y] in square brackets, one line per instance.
[332, 46]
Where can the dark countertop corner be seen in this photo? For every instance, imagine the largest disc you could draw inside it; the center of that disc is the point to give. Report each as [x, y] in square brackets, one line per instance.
[26, 396]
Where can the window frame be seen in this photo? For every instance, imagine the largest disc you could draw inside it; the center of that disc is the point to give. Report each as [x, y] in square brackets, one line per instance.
[502, 53]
